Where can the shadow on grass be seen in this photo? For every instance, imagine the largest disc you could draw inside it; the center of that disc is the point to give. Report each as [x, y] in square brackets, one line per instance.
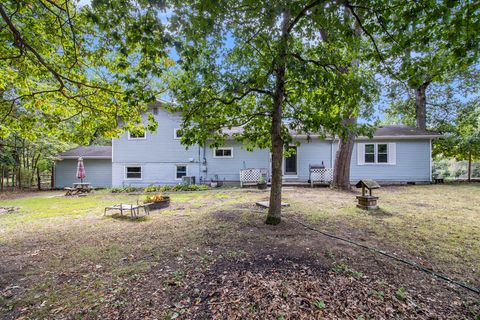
[127, 217]
[380, 213]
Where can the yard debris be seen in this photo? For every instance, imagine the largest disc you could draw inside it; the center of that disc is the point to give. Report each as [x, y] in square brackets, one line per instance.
[6, 210]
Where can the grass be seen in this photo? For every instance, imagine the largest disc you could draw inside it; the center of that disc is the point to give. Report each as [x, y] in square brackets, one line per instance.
[439, 222]
[84, 259]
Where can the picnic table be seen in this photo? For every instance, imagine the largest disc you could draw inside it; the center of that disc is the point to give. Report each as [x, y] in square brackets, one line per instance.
[78, 188]
[134, 209]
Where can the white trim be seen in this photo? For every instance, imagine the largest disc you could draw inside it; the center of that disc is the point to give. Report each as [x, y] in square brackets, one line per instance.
[223, 148]
[142, 138]
[85, 157]
[175, 137]
[132, 166]
[431, 164]
[362, 161]
[180, 165]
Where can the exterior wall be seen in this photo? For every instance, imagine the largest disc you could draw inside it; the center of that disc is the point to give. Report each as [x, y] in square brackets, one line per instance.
[412, 163]
[157, 154]
[228, 169]
[312, 152]
[99, 172]
[160, 152]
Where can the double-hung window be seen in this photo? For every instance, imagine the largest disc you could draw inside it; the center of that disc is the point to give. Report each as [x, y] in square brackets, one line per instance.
[180, 171]
[133, 172]
[376, 153]
[223, 153]
[137, 135]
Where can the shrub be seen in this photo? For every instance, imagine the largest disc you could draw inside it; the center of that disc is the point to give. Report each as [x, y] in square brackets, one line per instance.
[178, 187]
[156, 198]
[124, 189]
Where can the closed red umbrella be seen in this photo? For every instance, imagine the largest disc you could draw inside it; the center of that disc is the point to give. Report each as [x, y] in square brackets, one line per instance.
[81, 170]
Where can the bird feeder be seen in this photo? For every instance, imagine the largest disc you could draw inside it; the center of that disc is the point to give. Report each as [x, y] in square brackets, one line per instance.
[367, 201]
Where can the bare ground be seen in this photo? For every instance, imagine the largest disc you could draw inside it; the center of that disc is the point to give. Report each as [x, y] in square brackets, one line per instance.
[211, 257]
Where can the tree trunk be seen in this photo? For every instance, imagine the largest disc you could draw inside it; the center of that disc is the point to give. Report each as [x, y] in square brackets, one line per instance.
[1, 179]
[275, 206]
[39, 180]
[469, 166]
[343, 158]
[421, 106]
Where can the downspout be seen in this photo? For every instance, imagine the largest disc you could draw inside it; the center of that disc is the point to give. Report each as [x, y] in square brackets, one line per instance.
[431, 161]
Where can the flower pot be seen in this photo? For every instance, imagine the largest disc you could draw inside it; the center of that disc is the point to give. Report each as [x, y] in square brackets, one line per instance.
[262, 186]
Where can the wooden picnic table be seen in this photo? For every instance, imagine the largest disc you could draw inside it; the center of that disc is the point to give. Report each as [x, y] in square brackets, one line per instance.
[78, 188]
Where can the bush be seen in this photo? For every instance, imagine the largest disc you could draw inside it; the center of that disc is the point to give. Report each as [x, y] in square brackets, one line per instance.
[156, 198]
[124, 189]
[178, 187]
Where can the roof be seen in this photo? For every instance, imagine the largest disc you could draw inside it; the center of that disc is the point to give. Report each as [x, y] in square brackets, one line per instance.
[92, 152]
[403, 131]
[385, 132]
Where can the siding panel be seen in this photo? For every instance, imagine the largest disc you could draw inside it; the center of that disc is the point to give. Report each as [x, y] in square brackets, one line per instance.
[99, 172]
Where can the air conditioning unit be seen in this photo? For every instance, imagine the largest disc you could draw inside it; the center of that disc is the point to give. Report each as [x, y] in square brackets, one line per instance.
[188, 180]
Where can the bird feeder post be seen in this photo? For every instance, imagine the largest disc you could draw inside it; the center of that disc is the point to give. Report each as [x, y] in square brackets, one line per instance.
[367, 201]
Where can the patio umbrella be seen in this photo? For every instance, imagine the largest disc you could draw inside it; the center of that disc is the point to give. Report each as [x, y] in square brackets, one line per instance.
[81, 170]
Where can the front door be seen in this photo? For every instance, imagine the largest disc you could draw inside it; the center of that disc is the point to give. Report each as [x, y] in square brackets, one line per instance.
[290, 163]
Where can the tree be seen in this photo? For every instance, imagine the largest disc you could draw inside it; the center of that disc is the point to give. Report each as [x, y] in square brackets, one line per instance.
[422, 44]
[266, 67]
[62, 66]
[462, 136]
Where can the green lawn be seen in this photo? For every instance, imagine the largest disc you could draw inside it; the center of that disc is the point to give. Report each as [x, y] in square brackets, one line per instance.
[62, 258]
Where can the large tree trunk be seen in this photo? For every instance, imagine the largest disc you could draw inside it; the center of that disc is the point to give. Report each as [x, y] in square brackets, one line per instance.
[275, 207]
[421, 106]
[343, 158]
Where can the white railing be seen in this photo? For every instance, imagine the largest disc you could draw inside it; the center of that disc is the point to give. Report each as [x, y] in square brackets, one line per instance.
[321, 175]
[252, 176]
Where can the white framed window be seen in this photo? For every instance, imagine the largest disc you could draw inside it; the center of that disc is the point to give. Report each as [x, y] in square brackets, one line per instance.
[177, 133]
[369, 156]
[137, 135]
[133, 172]
[223, 153]
[181, 170]
[376, 153]
[382, 153]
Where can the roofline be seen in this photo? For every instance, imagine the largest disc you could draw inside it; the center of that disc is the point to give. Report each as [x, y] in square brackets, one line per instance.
[83, 157]
[402, 137]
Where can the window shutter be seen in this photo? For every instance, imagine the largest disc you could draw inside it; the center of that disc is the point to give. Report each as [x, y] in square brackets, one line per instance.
[392, 153]
[360, 153]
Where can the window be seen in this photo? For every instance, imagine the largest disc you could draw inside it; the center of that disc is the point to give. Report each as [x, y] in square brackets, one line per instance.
[382, 153]
[133, 172]
[177, 133]
[137, 135]
[376, 153]
[181, 171]
[155, 110]
[223, 153]
[370, 153]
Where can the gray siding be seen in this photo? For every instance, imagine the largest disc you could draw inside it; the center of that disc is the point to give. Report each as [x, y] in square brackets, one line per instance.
[228, 169]
[412, 163]
[158, 155]
[99, 172]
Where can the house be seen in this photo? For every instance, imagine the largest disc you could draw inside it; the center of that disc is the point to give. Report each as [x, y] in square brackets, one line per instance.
[396, 154]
